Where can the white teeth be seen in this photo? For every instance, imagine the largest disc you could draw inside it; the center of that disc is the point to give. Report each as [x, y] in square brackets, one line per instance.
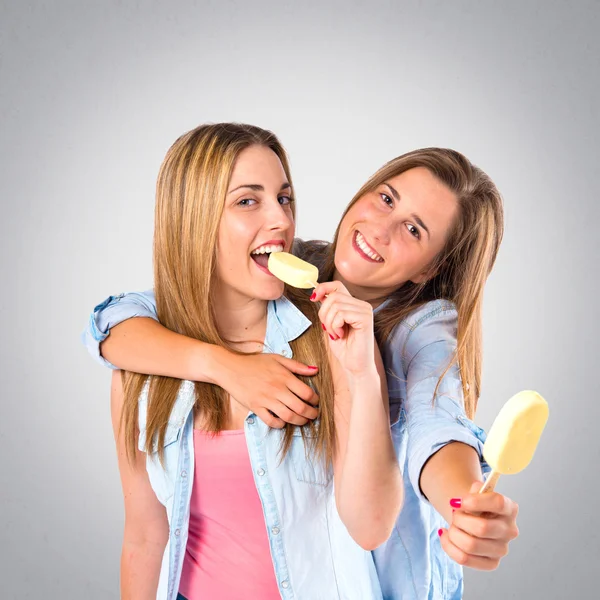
[362, 244]
[268, 249]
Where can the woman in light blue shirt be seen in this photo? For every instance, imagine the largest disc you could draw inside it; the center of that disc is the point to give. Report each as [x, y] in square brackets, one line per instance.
[224, 195]
[417, 242]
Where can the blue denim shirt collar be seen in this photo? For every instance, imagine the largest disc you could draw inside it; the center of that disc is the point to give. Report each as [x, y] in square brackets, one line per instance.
[285, 322]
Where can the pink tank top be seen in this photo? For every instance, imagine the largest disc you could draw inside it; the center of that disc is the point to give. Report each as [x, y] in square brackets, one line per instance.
[227, 554]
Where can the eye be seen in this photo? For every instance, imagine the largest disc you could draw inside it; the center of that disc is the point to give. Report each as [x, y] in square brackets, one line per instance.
[386, 199]
[246, 202]
[413, 230]
[285, 199]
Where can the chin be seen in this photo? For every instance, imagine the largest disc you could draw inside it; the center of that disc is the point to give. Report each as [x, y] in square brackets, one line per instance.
[270, 292]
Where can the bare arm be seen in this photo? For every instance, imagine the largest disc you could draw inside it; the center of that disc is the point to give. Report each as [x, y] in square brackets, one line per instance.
[146, 526]
[369, 489]
[448, 474]
[368, 481]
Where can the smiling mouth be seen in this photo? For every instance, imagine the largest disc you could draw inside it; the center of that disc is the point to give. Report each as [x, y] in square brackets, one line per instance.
[361, 246]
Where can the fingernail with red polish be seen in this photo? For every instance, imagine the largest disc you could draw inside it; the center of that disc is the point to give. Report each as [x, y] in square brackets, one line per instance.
[333, 338]
[440, 531]
[311, 367]
[323, 326]
[456, 502]
[314, 295]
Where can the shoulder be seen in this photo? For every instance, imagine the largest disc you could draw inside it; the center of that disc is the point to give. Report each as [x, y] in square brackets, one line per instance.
[433, 322]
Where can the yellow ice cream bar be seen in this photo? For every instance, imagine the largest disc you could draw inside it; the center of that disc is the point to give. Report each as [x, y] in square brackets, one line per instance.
[514, 436]
[293, 270]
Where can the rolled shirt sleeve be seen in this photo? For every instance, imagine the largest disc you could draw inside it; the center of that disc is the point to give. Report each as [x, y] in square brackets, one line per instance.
[112, 311]
[430, 343]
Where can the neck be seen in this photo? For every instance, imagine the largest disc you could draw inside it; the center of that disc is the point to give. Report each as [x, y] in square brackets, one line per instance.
[374, 296]
[240, 319]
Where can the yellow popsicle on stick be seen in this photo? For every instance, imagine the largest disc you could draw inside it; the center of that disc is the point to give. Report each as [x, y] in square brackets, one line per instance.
[514, 436]
[293, 270]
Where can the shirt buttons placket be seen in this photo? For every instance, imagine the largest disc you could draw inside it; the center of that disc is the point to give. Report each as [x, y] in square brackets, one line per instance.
[265, 492]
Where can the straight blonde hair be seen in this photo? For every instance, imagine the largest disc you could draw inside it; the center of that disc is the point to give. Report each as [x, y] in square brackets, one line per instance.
[190, 195]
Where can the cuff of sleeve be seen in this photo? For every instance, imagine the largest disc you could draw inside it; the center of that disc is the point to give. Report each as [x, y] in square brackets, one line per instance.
[462, 430]
[96, 332]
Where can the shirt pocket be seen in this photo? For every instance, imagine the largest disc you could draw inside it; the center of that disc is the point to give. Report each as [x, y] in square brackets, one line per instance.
[308, 468]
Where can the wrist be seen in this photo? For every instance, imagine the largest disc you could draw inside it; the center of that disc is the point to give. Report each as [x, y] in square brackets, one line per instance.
[366, 378]
[208, 363]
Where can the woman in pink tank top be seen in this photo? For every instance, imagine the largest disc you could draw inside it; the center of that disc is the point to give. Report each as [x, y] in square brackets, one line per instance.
[212, 283]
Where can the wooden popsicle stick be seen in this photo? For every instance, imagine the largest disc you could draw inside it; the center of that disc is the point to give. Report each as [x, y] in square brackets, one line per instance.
[490, 482]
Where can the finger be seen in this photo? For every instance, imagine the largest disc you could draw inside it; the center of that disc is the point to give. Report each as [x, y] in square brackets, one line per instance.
[490, 502]
[476, 546]
[357, 319]
[296, 405]
[303, 391]
[464, 559]
[288, 415]
[493, 528]
[295, 366]
[269, 419]
[324, 289]
[336, 303]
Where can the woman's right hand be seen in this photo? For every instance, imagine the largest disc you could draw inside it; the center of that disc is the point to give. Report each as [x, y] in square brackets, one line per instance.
[266, 384]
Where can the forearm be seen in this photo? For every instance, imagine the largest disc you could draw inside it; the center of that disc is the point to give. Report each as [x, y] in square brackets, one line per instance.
[140, 569]
[370, 488]
[144, 346]
[449, 473]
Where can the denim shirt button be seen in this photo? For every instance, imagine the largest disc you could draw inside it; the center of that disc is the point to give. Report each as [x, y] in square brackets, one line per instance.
[285, 584]
[261, 472]
[184, 474]
[286, 353]
[177, 532]
[250, 420]
[275, 530]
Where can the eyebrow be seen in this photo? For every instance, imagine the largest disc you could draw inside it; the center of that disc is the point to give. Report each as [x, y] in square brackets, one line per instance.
[255, 187]
[414, 216]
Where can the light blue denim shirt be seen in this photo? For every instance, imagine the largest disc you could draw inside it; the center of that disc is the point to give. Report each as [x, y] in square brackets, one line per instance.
[313, 555]
[411, 565]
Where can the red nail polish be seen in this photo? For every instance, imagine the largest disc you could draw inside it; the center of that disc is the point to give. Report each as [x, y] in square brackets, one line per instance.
[314, 295]
[333, 338]
[456, 502]
[440, 531]
[311, 367]
[323, 326]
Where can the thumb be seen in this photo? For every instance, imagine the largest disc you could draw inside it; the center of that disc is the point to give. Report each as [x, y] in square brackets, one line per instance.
[475, 487]
[297, 367]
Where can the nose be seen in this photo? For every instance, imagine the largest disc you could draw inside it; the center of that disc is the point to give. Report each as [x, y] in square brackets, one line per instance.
[278, 218]
[380, 232]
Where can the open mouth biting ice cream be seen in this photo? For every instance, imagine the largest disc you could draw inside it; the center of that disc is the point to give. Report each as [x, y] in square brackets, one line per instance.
[293, 270]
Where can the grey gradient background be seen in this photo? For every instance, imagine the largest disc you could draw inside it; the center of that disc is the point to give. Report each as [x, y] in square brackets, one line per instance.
[91, 96]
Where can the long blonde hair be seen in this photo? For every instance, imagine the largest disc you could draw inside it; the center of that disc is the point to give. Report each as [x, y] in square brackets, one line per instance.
[190, 194]
[459, 271]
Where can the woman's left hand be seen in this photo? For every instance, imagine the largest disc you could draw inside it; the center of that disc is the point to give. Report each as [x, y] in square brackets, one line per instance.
[349, 323]
[481, 529]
